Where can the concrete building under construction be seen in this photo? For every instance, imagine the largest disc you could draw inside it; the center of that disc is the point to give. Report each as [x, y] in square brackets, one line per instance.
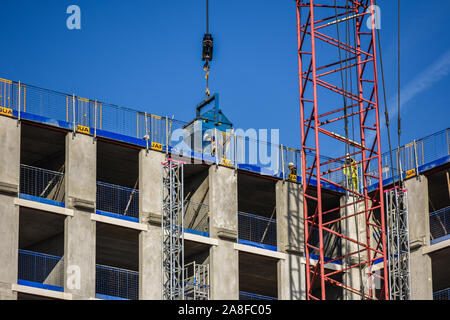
[99, 201]
[84, 198]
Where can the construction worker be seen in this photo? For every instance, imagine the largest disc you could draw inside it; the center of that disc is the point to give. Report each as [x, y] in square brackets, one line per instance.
[292, 169]
[351, 172]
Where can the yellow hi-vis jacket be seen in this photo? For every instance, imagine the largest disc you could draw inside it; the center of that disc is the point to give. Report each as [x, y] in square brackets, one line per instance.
[353, 174]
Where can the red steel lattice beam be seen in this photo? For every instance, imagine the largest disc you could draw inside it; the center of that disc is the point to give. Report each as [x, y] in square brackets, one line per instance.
[323, 56]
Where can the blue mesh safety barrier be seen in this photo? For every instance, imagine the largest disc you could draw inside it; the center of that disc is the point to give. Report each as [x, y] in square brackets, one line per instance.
[113, 283]
[442, 294]
[39, 268]
[440, 225]
[117, 199]
[252, 296]
[41, 183]
[257, 229]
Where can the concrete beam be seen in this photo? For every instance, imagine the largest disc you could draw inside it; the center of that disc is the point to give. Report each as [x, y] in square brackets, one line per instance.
[261, 252]
[41, 292]
[119, 222]
[79, 229]
[224, 259]
[43, 207]
[9, 212]
[150, 259]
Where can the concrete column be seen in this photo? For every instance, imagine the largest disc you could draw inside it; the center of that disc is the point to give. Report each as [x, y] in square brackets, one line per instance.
[419, 237]
[79, 230]
[150, 259]
[290, 240]
[9, 213]
[349, 227]
[224, 259]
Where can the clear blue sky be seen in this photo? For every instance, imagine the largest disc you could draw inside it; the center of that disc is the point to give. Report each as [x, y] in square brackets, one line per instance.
[146, 54]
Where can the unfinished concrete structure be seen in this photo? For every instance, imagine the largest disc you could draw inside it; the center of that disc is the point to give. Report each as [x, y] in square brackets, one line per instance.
[80, 212]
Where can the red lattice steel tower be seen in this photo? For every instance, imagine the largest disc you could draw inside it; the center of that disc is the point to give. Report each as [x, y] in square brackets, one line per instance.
[344, 242]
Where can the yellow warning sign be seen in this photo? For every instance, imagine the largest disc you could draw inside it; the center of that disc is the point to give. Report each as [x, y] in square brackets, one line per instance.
[83, 129]
[226, 162]
[410, 173]
[157, 146]
[6, 112]
[292, 177]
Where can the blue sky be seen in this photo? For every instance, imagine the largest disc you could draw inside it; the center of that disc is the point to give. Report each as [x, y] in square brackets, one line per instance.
[146, 55]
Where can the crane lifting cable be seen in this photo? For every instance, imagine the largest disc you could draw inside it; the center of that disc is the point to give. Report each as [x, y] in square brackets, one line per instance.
[207, 52]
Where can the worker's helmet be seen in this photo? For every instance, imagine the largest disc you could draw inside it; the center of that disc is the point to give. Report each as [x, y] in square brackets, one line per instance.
[291, 164]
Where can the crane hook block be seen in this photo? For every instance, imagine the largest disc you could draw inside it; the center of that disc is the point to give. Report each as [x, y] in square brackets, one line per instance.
[207, 47]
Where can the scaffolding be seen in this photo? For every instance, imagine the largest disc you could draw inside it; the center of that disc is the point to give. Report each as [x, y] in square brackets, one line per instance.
[398, 244]
[172, 226]
[196, 281]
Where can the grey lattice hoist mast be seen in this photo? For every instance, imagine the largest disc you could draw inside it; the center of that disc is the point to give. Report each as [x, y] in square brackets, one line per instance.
[172, 226]
[398, 244]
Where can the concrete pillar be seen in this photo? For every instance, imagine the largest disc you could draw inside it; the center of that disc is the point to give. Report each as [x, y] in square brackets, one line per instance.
[150, 259]
[224, 259]
[419, 237]
[79, 230]
[349, 227]
[290, 240]
[9, 213]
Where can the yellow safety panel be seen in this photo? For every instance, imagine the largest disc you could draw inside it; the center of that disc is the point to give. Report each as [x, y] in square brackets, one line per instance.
[292, 177]
[410, 173]
[157, 146]
[226, 162]
[83, 129]
[6, 81]
[6, 112]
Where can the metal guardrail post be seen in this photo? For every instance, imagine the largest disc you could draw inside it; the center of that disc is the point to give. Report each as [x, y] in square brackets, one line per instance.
[235, 151]
[95, 119]
[415, 158]
[217, 146]
[20, 93]
[282, 162]
[73, 112]
[146, 136]
[167, 135]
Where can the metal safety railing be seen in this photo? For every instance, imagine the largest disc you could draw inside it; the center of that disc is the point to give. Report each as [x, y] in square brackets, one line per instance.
[252, 296]
[38, 268]
[226, 148]
[117, 199]
[257, 229]
[116, 283]
[42, 183]
[196, 216]
[442, 294]
[409, 158]
[440, 225]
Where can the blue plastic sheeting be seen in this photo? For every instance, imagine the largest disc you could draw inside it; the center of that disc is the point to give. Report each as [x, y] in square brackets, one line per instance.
[199, 233]
[39, 285]
[257, 245]
[42, 200]
[117, 216]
